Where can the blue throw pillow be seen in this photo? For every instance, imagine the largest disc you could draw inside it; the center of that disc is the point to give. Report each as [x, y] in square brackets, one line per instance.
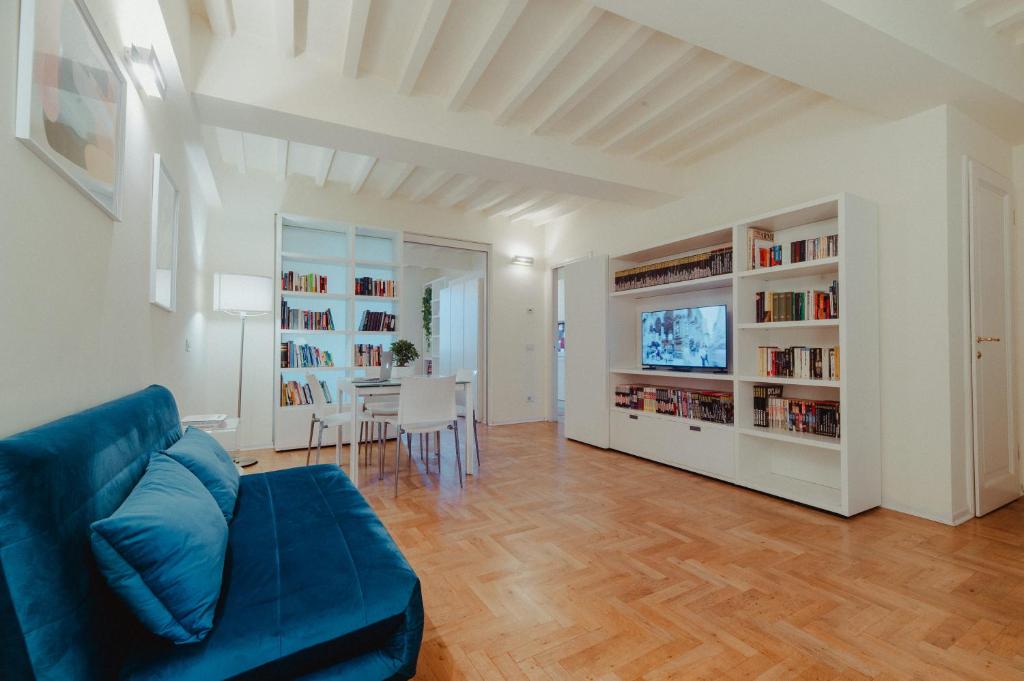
[163, 551]
[199, 452]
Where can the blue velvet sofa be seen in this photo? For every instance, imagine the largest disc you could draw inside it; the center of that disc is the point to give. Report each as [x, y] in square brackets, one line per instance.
[313, 588]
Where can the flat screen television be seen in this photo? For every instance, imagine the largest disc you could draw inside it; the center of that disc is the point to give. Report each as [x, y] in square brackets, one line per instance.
[685, 338]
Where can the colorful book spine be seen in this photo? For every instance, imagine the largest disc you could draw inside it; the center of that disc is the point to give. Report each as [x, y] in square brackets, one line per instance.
[687, 268]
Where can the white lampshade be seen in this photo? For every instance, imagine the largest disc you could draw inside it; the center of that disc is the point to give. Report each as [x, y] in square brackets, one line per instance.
[242, 293]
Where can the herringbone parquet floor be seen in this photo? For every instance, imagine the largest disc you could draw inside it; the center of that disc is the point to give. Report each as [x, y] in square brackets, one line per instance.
[561, 561]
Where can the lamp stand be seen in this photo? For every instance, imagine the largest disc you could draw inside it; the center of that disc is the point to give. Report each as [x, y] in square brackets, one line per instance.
[243, 461]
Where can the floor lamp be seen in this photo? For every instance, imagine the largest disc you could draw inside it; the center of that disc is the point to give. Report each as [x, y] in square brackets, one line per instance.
[244, 296]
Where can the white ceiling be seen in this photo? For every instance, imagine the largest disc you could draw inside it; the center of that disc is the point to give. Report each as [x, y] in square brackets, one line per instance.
[1005, 17]
[561, 71]
[248, 152]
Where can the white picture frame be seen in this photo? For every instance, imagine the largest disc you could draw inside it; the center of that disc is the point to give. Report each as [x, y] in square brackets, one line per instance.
[163, 242]
[71, 98]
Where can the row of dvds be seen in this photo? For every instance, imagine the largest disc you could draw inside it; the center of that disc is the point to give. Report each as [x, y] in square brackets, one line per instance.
[794, 415]
[697, 266]
[703, 405]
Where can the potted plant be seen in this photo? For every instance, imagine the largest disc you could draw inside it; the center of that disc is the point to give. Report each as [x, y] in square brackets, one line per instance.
[403, 352]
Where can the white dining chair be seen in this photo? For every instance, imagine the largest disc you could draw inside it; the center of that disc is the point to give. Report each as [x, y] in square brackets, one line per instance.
[461, 409]
[377, 410]
[425, 406]
[324, 417]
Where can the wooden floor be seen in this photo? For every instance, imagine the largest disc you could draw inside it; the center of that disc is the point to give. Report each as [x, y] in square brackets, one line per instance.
[560, 561]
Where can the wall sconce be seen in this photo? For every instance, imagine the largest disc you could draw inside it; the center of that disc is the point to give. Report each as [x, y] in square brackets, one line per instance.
[523, 260]
[145, 71]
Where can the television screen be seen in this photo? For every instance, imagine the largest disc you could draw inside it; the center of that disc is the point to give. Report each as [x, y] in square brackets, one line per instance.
[687, 338]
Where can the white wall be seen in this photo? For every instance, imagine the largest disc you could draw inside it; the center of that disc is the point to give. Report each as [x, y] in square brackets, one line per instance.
[242, 240]
[79, 329]
[904, 167]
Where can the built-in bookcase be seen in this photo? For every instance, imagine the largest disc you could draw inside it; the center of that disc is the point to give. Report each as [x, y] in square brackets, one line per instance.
[838, 474]
[343, 253]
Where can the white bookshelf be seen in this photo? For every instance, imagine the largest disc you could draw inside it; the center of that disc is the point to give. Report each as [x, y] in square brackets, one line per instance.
[841, 475]
[342, 252]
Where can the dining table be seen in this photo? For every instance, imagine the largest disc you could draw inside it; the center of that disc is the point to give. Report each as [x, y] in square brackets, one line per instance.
[358, 389]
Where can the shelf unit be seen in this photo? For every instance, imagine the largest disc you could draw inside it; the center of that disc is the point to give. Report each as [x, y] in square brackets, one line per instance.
[342, 252]
[841, 475]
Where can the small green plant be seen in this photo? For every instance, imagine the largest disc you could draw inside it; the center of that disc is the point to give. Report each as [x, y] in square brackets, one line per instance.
[403, 352]
[428, 296]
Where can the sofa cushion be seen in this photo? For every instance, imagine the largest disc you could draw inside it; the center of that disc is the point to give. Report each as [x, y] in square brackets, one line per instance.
[58, 618]
[200, 452]
[163, 551]
[313, 579]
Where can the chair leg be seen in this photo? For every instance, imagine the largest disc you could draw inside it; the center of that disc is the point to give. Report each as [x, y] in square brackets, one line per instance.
[337, 447]
[382, 430]
[476, 440]
[458, 454]
[309, 447]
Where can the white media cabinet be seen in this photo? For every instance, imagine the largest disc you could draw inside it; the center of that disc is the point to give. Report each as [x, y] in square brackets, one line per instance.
[841, 475]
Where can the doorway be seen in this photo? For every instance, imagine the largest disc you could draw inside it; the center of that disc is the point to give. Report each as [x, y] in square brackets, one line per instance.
[996, 466]
[446, 300]
[558, 378]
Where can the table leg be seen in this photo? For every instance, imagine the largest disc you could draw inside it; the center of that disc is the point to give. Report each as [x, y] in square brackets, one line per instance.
[469, 451]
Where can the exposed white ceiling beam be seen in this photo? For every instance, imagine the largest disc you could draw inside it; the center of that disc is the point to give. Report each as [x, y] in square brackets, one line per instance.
[485, 52]
[283, 149]
[558, 211]
[463, 190]
[396, 183]
[323, 171]
[430, 187]
[614, 57]
[290, 23]
[421, 44]
[544, 204]
[363, 174]
[221, 16]
[1002, 19]
[709, 114]
[971, 5]
[526, 200]
[706, 83]
[579, 23]
[358, 13]
[799, 97]
[490, 197]
[514, 199]
[642, 89]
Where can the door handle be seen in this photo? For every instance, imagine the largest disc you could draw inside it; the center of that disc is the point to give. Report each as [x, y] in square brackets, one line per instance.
[987, 339]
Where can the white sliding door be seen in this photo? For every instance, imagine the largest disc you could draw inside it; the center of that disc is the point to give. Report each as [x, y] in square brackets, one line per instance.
[586, 351]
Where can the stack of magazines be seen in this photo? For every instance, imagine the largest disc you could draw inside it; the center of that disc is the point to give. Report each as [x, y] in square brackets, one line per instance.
[205, 421]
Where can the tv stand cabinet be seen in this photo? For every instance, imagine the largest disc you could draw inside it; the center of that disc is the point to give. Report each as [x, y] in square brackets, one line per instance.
[841, 475]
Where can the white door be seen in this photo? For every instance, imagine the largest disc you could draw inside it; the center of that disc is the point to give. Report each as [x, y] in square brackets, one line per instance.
[996, 477]
[586, 358]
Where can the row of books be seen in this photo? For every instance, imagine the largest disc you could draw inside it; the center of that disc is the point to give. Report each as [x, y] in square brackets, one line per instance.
[702, 405]
[377, 321]
[799, 362]
[764, 252]
[773, 411]
[792, 306]
[813, 249]
[299, 356]
[366, 355]
[292, 318]
[294, 393]
[697, 266]
[304, 283]
[368, 286]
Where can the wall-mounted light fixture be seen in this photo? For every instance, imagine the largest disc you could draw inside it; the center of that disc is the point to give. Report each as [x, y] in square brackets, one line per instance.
[145, 70]
[524, 260]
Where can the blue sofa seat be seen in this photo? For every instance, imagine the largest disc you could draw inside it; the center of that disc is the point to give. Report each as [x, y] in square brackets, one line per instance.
[314, 587]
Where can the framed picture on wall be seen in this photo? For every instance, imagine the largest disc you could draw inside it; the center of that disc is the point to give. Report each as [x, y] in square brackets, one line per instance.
[163, 245]
[71, 99]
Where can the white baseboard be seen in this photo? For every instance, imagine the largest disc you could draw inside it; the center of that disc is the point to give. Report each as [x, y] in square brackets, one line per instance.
[512, 422]
[927, 515]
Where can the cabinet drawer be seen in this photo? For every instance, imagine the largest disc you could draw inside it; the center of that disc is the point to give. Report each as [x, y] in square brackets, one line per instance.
[703, 448]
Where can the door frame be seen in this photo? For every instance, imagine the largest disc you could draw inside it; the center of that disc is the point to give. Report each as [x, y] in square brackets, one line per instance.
[551, 339]
[969, 164]
[483, 378]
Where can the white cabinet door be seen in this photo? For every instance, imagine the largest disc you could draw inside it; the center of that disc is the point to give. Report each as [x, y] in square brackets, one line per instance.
[586, 351]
